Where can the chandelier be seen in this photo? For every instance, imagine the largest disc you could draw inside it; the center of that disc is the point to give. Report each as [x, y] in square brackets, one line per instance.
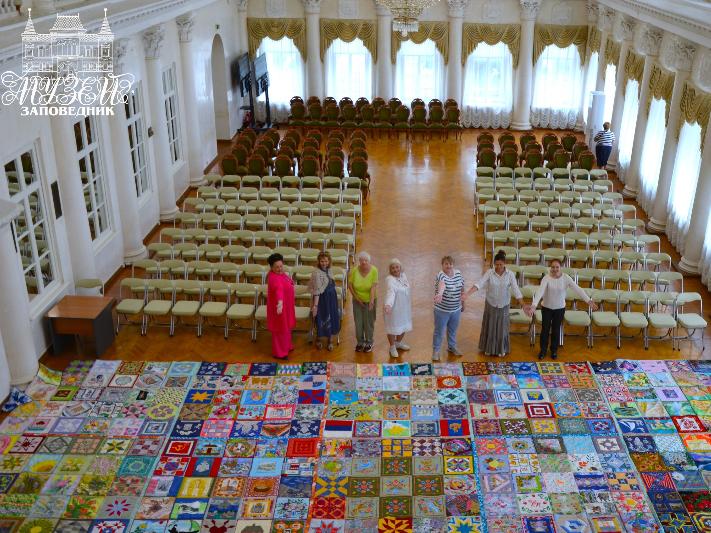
[406, 12]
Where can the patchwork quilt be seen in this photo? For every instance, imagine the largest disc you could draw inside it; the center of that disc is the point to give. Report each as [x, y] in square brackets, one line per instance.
[126, 446]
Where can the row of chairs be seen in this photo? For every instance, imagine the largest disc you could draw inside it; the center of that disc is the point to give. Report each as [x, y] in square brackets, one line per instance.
[547, 183]
[575, 221]
[539, 171]
[227, 237]
[243, 207]
[238, 305]
[615, 276]
[642, 311]
[259, 222]
[522, 255]
[297, 182]
[246, 254]
[288, 194]
[570, 241]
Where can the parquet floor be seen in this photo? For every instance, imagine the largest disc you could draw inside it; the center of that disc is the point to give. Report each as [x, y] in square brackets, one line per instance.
[420, 209]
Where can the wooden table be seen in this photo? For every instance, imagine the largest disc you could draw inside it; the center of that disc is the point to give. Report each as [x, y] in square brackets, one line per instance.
[84, 316]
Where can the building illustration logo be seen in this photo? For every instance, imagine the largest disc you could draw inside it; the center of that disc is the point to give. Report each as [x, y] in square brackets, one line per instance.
[67, 71]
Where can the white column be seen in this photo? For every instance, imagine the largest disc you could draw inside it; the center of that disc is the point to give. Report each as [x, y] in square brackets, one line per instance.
[680, 56]
[649, 45]
[454, 67]
[14, 304]
[624, 31]
[524, 78]
[185, 29]
[153, 43]
[385, 65]
[70, 188]
[313, 47]
[694, 241]
[4, 372]
[592, 9]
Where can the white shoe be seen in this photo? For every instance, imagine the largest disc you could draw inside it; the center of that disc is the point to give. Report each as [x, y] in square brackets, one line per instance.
[402, 346]
[393, 351]
[435, 355]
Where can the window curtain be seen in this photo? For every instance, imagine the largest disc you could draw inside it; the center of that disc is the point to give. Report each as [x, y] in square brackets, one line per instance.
[625, 137]
[488, 88]
[610, 88]
[557, 88]
[652, 154]
[286, 77]
[590, 81]
[419, 72]
[349, 70]
[685, 176]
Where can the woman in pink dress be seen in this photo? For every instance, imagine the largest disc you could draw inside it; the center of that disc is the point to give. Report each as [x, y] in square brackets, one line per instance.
[280, 307]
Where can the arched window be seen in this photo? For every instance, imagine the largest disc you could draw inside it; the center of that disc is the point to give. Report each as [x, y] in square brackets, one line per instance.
[610, 88]
[557, 88]
[625, 137]
[419, 71]
[286, 75]
[685, 178]
[652, 153]
[349, 70]
[488, 89]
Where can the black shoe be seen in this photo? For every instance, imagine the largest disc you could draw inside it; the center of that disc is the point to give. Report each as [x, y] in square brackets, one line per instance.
[359, 347]
[368, 347]
[541, 356]
[554, 356]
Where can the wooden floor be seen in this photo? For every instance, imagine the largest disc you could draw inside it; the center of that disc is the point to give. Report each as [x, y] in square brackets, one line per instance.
[421, 208]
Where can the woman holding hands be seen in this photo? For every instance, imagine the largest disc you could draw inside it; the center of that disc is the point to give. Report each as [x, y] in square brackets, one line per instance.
[398, 308]
[552, 293]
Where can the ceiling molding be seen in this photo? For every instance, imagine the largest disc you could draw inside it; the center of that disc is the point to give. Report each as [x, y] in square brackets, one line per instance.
[687, 19]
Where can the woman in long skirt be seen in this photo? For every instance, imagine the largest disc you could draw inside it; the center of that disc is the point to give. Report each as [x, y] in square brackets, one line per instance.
[398, 308]
[280, 307]
[499, 283]
[325, 310]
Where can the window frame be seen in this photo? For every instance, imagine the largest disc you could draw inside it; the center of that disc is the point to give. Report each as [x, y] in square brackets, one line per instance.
[22, 199]
[90, 152]
[171, 105]
[137, 135]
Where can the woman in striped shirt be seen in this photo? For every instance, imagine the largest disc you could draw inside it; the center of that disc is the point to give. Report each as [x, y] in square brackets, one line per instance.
[448, 307]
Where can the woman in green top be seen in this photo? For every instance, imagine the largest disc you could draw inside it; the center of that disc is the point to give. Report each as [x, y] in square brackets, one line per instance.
[363, 286]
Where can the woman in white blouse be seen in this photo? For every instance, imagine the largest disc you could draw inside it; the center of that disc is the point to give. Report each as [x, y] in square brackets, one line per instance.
[499, 283]
[552, 293]
[398, 308]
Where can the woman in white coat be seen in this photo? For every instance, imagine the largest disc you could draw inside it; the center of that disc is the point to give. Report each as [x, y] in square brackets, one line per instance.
[398, 308]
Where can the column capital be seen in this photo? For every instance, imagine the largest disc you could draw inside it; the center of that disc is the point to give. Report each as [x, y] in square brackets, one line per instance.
[185, 24]
[647, 40]
[153, 41]
[623, 28]
[121, 49]
[242, 5]
[456, 8]
[678, 54]
[605, 18]
[381, 10]
[312, 6]
[592, 9]
[529, 9]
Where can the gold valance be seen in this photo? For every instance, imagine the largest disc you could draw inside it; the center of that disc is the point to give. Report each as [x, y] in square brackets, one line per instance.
[275, 29]
[348, 31]
[437, 31]
[661, 85]
[594, 41]
[561, 36]
[491, 34]
[634, 68]
[695, 108]
[612, 53]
